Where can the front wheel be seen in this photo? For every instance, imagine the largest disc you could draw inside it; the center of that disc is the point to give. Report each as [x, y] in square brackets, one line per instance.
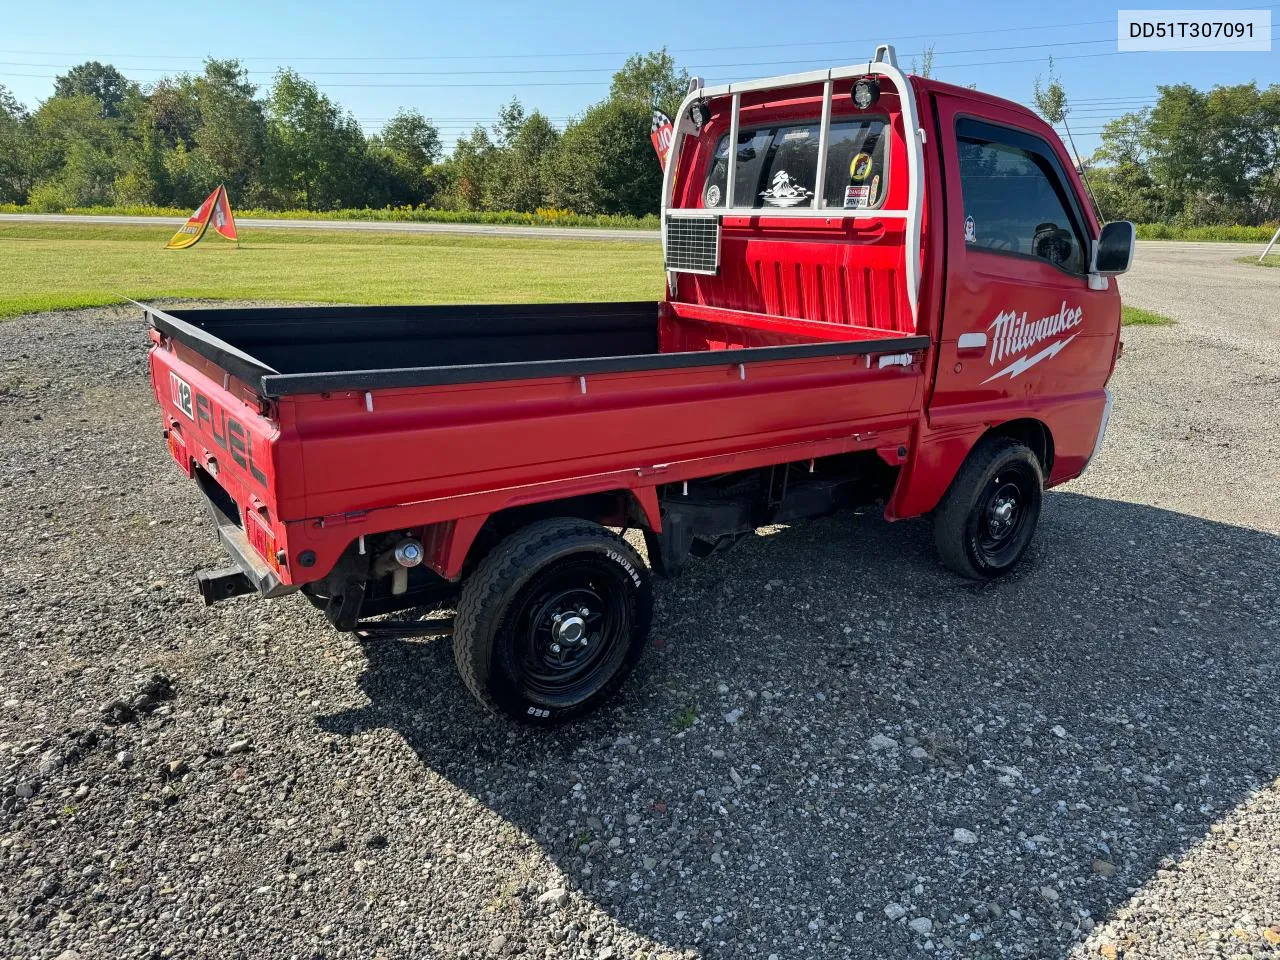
[552, 621]
[988, 517]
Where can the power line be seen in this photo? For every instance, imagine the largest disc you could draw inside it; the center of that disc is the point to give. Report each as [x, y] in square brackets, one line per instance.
[582, 83]
[570, 70]
[405, 86]
[1204, 47]
[382, 58]
[606, 53]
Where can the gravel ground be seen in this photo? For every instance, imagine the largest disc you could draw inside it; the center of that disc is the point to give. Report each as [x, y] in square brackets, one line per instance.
[835, 748]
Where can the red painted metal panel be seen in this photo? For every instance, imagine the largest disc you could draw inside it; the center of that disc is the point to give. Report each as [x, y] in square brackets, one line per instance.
[427, 443]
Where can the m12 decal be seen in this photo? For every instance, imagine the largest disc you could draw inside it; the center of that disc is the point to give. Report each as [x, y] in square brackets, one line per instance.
[180, 391]
[1012, 333]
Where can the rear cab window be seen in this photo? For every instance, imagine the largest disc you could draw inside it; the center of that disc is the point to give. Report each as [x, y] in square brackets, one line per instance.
[1016, 199]
[777, 166]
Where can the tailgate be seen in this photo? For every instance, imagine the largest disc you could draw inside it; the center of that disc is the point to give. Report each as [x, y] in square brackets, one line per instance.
[219, 435]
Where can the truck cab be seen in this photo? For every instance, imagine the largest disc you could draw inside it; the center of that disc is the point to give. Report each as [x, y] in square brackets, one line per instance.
[880, 290]
[862, 198]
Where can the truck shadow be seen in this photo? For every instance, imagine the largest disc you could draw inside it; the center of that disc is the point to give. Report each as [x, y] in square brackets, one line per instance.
[1087, 721]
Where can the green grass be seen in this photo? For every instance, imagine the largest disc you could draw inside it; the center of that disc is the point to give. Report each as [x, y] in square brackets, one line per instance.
[1169, 231]
[567, 218]
[58, 266]
[1136, 317]
[539, 218]
[62, 266]
[684, 718]
[1272, 261]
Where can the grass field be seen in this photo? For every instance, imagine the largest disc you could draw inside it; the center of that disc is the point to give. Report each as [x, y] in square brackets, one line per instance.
[1137, 317]
[55, 266]
[567, 218]
[539, 218]
[58, 267]
[1220, 234]
[1272, 261]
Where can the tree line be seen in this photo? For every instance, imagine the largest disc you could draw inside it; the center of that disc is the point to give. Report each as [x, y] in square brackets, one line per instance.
[104, 140]
[1195, 158]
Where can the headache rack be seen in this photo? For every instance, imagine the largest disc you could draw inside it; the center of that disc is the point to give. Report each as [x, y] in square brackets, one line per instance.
[691, 236]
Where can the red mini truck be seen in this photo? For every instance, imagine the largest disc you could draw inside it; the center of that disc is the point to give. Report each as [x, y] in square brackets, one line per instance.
[880, 289]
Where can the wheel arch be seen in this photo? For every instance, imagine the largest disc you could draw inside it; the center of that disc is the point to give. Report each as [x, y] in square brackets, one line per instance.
[463, 544]
[1031, 433]
[938, 456]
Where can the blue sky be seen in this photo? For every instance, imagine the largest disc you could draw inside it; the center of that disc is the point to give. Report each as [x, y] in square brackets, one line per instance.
[458, 62]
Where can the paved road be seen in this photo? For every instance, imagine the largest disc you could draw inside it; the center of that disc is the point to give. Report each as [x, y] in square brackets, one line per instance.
[835, 749]
[373, 226]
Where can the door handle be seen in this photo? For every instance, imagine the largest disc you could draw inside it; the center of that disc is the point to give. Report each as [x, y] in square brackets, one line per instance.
[969, 342]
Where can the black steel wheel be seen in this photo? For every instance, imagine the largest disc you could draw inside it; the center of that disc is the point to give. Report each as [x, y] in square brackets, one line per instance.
[988, 517]
[552, 621]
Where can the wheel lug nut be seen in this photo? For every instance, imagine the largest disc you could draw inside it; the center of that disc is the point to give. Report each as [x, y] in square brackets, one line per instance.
[555, 648]
[584, 612]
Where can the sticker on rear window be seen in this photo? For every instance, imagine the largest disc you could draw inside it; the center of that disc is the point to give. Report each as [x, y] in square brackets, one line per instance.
[855, 198]
[785, 192]
[181, 392]
[970, 231]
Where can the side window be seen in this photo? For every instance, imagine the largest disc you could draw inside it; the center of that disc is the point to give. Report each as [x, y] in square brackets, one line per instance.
[778, 166]
[1014, 199]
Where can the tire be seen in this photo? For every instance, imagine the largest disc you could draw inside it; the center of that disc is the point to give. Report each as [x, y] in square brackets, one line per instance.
[516, 657]
[988, 517]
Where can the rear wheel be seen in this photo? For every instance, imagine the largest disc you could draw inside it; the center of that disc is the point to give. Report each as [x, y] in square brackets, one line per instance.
[552, 621]
[988, 517]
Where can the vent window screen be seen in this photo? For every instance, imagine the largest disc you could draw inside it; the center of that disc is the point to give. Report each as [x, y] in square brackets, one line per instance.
[693, 244]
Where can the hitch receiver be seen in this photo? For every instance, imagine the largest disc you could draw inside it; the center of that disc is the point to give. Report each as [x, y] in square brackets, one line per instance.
[222, 583]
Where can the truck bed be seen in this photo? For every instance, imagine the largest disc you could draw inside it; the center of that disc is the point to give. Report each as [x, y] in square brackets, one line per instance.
[283, 351]
[312, 426]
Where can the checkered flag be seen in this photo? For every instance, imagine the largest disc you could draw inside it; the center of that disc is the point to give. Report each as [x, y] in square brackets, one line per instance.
[660, 135]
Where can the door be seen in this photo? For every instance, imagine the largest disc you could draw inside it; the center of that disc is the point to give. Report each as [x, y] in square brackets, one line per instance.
[1022, 331]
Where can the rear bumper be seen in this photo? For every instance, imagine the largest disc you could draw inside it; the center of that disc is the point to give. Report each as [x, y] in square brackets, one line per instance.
[237, 546]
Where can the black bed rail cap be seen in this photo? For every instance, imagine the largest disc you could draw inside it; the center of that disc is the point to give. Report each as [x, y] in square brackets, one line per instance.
[278, 385]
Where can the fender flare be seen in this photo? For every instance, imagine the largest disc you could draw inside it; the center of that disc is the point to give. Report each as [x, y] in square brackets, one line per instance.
[449, 543]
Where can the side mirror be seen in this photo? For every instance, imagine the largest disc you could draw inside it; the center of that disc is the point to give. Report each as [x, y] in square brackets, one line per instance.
[1113, 252]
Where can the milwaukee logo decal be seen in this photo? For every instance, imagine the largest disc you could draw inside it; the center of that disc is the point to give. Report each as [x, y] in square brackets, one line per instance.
[1012, 334]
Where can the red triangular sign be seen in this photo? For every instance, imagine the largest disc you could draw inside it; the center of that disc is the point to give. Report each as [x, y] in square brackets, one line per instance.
[223, 222]
[215, 212]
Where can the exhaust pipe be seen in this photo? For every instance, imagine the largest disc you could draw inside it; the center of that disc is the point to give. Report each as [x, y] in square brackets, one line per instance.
[408, 553]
